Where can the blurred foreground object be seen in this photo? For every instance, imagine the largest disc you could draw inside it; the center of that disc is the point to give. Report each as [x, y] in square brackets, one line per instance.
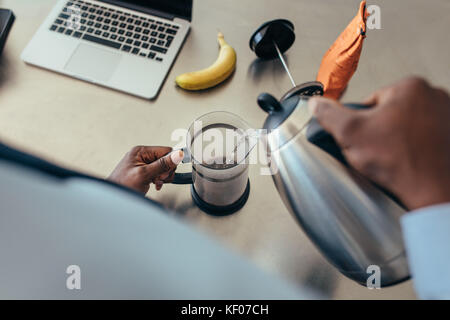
[6, 21]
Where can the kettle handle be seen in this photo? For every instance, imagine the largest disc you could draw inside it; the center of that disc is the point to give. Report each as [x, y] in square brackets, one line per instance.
[317, 135]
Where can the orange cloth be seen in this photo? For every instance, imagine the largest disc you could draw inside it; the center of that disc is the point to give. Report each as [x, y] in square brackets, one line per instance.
[341, 60]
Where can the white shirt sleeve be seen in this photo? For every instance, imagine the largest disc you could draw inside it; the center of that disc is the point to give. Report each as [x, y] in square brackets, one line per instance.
[427, 239]
[124, 246]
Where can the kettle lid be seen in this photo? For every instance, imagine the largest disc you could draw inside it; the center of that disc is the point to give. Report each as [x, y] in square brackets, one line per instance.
[277, 111]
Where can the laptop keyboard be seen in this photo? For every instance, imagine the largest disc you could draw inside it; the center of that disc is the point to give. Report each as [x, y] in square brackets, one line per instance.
[142, 36]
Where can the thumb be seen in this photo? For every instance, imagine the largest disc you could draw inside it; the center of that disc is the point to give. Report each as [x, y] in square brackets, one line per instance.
[165, 164]
[332, 116]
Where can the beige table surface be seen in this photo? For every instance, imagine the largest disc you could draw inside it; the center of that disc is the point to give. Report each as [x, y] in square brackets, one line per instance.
[89, 128]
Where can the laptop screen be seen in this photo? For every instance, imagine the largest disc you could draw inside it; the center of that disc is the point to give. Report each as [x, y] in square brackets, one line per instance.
[179, 8]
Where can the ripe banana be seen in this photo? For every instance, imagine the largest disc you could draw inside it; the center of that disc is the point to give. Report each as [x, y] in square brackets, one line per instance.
[214, 74]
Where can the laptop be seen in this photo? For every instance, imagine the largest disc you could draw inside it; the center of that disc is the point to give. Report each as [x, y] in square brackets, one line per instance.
[125, 45]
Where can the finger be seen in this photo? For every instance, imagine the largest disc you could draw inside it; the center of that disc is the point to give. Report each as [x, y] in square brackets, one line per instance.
[159, 181]
[164, 164]
[148, 154]
[379, 97]
[159, 184]
[170, 177]
[334, 118]
[441, 93]
[376, 96]
[371, 100]
[164, 176]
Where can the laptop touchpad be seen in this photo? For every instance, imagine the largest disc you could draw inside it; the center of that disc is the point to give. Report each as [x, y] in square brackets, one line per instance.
[93, 63]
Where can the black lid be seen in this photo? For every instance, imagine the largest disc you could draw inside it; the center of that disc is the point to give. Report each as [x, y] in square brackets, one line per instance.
[280, 31]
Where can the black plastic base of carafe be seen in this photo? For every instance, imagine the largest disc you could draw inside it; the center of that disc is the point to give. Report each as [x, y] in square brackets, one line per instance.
[220, 210]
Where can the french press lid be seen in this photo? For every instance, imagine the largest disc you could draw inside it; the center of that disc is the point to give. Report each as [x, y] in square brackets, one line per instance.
[279, 32]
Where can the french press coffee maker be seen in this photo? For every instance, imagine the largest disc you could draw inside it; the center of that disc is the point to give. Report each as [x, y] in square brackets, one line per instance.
[217, 145]
[353, 222]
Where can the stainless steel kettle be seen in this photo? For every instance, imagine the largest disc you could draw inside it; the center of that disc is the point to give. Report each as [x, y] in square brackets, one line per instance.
[353, 222]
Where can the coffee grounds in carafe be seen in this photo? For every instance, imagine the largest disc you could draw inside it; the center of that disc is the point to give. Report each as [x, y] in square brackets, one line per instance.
[219, 163]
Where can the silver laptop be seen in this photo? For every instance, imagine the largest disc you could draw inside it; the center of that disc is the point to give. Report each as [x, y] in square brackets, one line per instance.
[125, 45]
